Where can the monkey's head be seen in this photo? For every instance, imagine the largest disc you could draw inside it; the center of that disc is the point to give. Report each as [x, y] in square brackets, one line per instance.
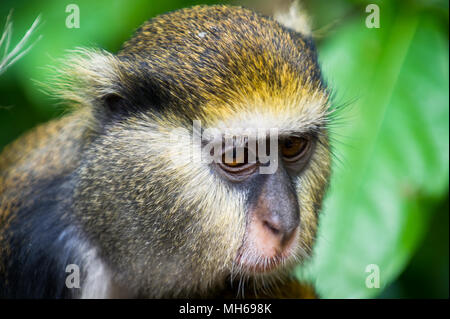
[168, 222]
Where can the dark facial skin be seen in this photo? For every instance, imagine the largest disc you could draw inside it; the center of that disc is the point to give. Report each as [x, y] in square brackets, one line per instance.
[273, 206]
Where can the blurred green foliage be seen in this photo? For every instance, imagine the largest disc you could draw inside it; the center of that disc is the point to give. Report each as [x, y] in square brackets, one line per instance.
[394, 150]
[388, 200]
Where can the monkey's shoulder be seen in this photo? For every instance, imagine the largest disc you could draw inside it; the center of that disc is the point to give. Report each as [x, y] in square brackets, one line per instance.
[35, 186]
[45, 152]
[37, 163]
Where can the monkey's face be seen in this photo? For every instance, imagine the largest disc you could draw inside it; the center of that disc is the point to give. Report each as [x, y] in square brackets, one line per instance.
[179, 206]
[277, 159]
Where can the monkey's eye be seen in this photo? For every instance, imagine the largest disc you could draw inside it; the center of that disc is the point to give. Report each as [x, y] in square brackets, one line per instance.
[236, 165]
[293, 147]
[235, 158]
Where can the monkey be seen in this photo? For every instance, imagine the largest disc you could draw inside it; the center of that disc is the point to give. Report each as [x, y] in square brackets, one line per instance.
[108, 188]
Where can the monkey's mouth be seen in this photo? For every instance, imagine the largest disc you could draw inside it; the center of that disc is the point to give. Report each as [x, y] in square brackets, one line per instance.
[253, 258]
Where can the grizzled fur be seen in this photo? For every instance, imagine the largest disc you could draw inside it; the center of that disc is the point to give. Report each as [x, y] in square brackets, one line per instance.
[98, 188]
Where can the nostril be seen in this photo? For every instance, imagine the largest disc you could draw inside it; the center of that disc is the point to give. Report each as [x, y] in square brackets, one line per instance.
[284, 235]
[274, 229]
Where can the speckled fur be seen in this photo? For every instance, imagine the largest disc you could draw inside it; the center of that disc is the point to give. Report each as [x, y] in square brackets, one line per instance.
[166, 229]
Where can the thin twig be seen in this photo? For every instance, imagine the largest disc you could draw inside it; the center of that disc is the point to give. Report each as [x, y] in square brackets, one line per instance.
[20, 49]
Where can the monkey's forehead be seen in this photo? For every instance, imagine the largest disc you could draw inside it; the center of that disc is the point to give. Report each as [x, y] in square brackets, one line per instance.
[221, 52]
[202, 26]
[255, 118]
[226, 66]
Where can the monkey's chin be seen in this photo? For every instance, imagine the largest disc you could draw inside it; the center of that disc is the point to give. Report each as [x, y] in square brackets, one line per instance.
[266, 266]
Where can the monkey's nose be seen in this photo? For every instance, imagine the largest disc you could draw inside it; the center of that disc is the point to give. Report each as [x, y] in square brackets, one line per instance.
[274, 217]
[280, 232]
[270, 235]
[274, 236]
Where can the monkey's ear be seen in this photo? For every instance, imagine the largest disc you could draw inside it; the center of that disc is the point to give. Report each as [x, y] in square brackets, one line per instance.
[293, 17]
[289, 13]
[90, 78]
[113, 102]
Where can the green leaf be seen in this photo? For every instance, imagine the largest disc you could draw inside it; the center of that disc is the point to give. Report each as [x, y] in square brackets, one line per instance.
[392, 149]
